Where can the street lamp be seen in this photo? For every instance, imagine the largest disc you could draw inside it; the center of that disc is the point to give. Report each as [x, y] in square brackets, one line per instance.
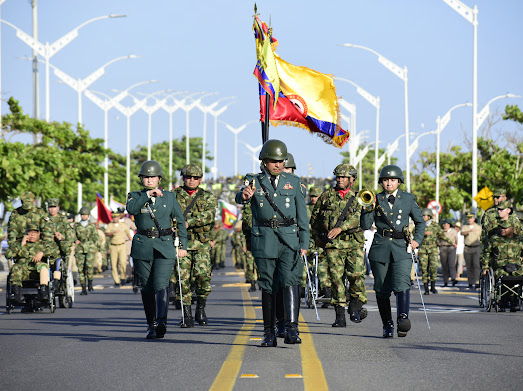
[1, 2]
[236, 131]
[353, 146]
[254, 152]
[49, 50]
[187, 108]
[375, 101]
[402, 74]
[128, 113]
[216, 114]
[391, 148]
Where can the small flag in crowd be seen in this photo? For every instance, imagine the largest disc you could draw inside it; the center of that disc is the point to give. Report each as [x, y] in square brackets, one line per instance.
[104, 214]
[229, 214]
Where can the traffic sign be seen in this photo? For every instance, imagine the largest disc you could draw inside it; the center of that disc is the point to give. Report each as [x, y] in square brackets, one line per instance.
[435, 206]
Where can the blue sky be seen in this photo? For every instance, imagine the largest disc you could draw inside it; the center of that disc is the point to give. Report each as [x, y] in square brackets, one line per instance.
[208, 46]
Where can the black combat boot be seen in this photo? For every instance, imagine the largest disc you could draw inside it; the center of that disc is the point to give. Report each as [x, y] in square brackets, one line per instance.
[291, 306]
[280, 314]
[16, 290]
[426, 286]
[84, 290]
[340, 317]
[253, 286]
[433, 287]
[90, 285]
[353, 312]
[403, 302]
[222, 265]
[149, 306]
[269, 317]
[200, 315]
[362, 311]
[43, 292]
[327, 294]
[162, 307]
[386, 316]
[188, 321]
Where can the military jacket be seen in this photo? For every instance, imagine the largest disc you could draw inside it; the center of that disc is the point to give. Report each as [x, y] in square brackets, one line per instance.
[88, 237]
[59, 223]
[502, 251]
[17, 226]
[219, 236]
[326, 213]
[490, 222]
[200, 218]
[167, 211]
[289, 196]
[25, 254]
[432, 235]
[405, 206]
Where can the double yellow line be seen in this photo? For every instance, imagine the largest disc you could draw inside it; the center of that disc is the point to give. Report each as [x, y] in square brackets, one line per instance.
[313, 375]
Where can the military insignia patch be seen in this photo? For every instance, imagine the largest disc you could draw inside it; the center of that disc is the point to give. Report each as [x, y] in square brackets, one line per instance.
[287, 186]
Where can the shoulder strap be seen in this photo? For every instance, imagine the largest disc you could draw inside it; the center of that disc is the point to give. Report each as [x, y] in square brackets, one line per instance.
[271, 202]
[190, 206]
[381, 213]
[341, 219]
[153, 217]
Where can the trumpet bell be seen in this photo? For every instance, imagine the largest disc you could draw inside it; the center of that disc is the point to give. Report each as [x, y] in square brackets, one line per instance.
[365, 198]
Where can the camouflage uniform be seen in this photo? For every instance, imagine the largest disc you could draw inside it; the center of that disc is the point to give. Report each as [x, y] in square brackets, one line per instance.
[238, 244]
[323, 276]
[27, 214]
[86, 250]
[428, 251]
[219, 237]
[490, 221]
[59, 223]
[250, 264]
[344, 254]
[197, 264]
[25, 268]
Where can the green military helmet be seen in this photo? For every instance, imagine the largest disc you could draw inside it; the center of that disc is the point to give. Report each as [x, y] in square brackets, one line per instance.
[345, 169]
[427, 212]
[84, 210]
[505, 224]
[504, 205]
[151, 168]
[393, 172]
[289, 162]
[192, 170]
[53, 202]
[32, 226]
[28, 199]
[499, 192]
[315, 191]
[274, 149]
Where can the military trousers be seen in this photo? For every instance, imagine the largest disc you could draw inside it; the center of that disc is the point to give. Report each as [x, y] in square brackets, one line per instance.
[447, 257]
[196, 266]
[281, 272]
[472, 255]
[428, 263]
[85, 263]
[119, 261]
[323, 271]
[392, 276]
[350, 264]
[250, 267]
[153, 274]
[25, 271]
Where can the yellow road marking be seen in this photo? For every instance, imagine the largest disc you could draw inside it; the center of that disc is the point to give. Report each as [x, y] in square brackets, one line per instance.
[258, 307]
[293, 376]
[234, 273]
[254, 297]
[238, 284]
[249, 376]
[259, 320]
[256, 339]
[231, 367]
[313, 375]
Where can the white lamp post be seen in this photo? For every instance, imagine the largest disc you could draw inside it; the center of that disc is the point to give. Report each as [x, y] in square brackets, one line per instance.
[375, 101]
[402, 74]
[236, 131]
[49, 50]
[353, 146]
[216, 114]
[128, 112]
[255, 154]
[391, 148]
[187, 107]
[1, 2]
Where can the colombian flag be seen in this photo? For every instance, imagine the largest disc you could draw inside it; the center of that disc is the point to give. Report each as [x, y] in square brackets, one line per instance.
[229, 214]
[104, 214]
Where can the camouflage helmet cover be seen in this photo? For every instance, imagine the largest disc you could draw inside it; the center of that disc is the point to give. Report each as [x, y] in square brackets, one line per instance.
[28, 199]
[346, 170]
[84, 210]
[32, 226]
[289, 162]
[393, 172]
[315, 191]
[499, 192]
[274, 149]
[192, 170]
[504, 205]
[151, 168]
[53, 202]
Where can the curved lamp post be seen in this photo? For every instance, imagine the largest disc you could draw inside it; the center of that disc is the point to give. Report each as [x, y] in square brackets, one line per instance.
[216, 114]
[236, 131]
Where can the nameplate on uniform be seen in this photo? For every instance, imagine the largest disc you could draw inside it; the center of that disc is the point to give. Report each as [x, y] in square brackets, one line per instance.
[144, 210]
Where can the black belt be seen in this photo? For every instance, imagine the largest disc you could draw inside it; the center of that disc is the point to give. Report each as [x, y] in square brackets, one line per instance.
[477, 245]
[275, 223]
[154, 233]
[388, 233]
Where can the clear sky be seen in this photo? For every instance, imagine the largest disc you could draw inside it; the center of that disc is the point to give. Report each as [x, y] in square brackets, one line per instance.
[209, 46]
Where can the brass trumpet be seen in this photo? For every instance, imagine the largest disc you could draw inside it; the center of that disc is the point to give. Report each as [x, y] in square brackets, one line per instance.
[366, 198]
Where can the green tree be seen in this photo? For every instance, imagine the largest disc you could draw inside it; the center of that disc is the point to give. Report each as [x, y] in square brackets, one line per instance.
[50, 168]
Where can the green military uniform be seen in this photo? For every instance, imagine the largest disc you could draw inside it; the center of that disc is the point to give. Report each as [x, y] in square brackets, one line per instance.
[238, 244]
[58, 223]
[85, 251]
[276, 240]
[27, 214]
[196, 266]
[219, 236]
[390, 262]
[251, 273]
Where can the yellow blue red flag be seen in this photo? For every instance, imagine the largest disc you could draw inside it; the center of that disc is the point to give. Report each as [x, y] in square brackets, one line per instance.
[265, 70]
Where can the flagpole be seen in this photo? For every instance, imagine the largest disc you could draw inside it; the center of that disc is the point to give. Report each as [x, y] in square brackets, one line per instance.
[265, 134]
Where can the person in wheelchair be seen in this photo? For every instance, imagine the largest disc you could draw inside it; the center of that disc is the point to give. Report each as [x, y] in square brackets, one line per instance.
[31, 263]
[504, 254]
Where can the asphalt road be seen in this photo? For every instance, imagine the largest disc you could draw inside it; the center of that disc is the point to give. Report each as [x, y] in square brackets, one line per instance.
[99, 345]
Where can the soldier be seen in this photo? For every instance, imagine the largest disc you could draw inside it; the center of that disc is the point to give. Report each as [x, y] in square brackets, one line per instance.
[428, 251]
[238, 245]
[335, 226]
[447, 253]
[249, 258]
[31, 259]
[153, 249]
[119, 234]
[21, 217]
[489, 219]
[280, 237]
[87, 244]
[504, 253]
[472, 251]
[389, 255]
[218, 243]
[57, 231]
[199, 210]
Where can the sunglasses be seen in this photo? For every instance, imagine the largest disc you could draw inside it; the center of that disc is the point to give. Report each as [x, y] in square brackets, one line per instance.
[192, 177]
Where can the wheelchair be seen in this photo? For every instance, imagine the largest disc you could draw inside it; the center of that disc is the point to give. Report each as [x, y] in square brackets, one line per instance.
[494, 293]
[61, 291]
